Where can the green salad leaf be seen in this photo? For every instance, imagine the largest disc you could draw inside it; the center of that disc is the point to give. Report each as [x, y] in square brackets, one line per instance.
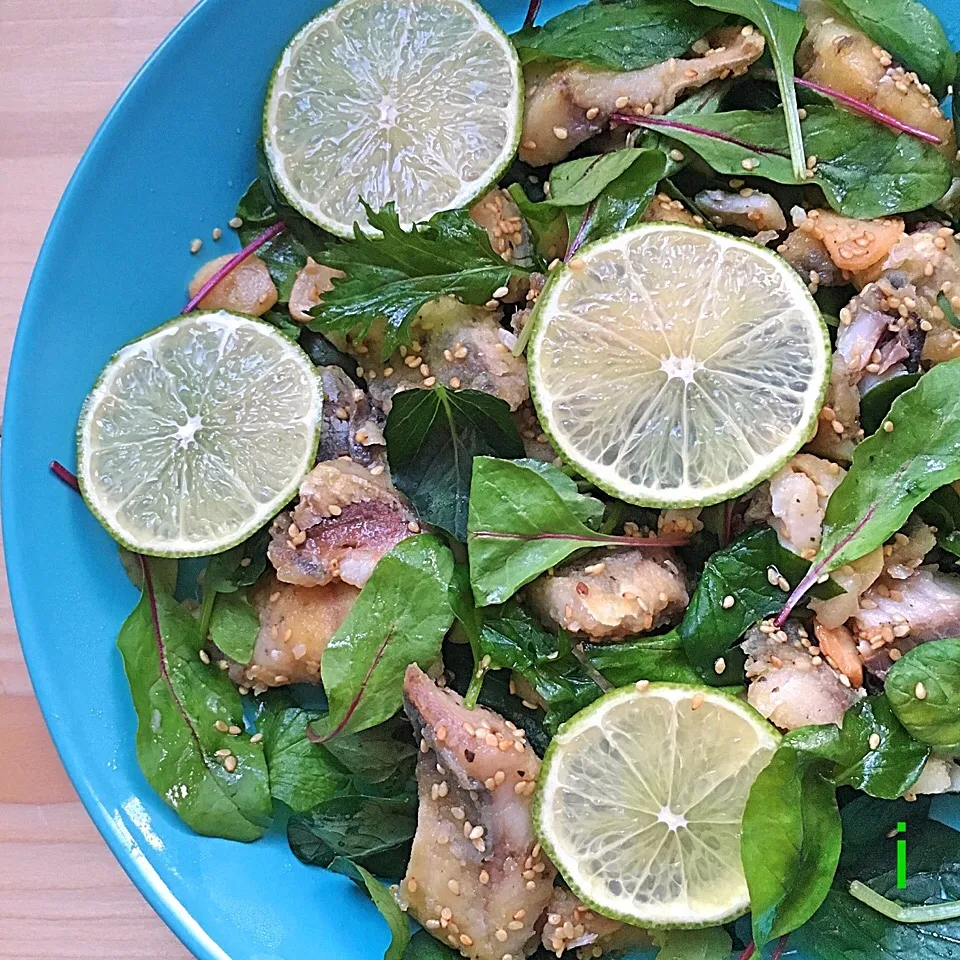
[432, 437]
[579, 182]
[931, 712]
[374, 832]
[513, 639]
[711, 630]
[383, 756]
[864, 170]
[659, 659]
[892, 473]
[165, 570]
[910, 32]
[284, 255]
[712, 943]
[782, 28]
[302, 774]
[876, 402]
[393, 275]
[384, 902]
[790, 845]
[399, 618]
[226, 573]
[844, 928]
[179, 700]
[886, 770]
[524, 519]
[234, 626]
[628, 35]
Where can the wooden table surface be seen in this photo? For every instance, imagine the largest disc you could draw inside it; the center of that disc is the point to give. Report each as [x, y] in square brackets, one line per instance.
[62, 894]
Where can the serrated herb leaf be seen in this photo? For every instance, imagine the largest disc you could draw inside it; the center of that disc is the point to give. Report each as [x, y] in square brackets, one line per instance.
[910, 32]
[790, 844]
[885, 771]
[628, 35]
[399, 618]
[384, 902]
[892, 473]
[933, 718]
[432, 437]
[864, 170]
[520, 525]
[374, 832]
[709, 630]
[390, 277]
[782, 28]
[178, 700]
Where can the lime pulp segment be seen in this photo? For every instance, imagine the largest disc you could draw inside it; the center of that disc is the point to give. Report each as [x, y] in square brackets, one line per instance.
[676, 366]
[198, 433]
[415, 102]
[641, 801]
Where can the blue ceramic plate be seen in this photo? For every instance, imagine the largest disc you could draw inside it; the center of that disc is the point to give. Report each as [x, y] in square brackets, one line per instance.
[168, 164]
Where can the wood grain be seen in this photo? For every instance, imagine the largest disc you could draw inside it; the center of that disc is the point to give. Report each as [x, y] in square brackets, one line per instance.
[62, 893]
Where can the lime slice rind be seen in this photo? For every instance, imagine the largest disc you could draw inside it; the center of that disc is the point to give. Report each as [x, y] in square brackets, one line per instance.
[640, 802]
[416, 102]
[677, 367]
[197, 434]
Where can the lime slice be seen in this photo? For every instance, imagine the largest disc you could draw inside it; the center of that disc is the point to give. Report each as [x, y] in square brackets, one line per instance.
[677, 367]
[640, 801]
[417, 102]
[197, 434]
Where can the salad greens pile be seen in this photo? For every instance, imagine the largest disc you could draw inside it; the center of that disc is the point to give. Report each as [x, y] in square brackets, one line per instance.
[336, 770]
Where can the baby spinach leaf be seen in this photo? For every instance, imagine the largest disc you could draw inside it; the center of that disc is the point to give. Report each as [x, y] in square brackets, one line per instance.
[234, 626]
[519, 525]
[846, 929]
[875, 403]
[642, 658]
[886, 771]
[302, 774]
[513, 639]
[165, 570]
[628, 35]
[578, 182]
[393, 275]
[587, 509]
[864, 170]
[425, 947]
[933, 718]
[432, 437]
[620, 205]
[399, 618]
[284, 255]
[711, 944]
[709, 630]
[892, 473]
[782, 29]
[910, 32]
[790, 844]
[178, 700]
[374, 832]
[383, 756]
[384, 902]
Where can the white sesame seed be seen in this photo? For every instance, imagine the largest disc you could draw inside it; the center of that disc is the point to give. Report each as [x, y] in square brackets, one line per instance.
[235, 223]
[920, 691]
[195, 245]
[453, 887]
[641, 685]
[256, 738]
[728, 602]
[719, 666]
[217, 233]
[874, 741]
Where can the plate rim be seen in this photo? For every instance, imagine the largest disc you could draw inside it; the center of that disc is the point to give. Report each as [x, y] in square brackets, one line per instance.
[150, 884]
